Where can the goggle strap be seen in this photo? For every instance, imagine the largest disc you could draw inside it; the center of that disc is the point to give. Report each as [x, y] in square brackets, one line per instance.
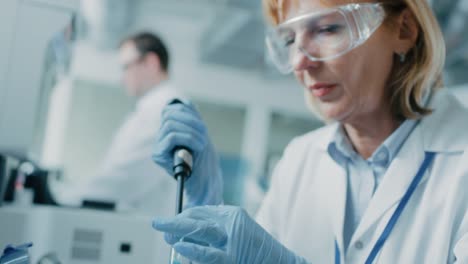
[368, 18]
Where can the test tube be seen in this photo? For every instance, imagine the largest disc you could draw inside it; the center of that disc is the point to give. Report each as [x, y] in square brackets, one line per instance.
[176, 258]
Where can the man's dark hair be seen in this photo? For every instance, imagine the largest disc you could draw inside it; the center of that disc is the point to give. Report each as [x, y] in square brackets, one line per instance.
[146, 42]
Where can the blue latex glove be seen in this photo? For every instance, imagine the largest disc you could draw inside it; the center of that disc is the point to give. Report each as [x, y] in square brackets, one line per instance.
[223, 234]
[181, 125]
[16, 254]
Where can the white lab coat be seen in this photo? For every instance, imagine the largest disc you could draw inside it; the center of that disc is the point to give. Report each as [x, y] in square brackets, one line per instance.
[127, 174]
[305, 207]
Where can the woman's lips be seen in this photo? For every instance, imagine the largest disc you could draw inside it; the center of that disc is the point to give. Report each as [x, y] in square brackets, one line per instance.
[321, 90]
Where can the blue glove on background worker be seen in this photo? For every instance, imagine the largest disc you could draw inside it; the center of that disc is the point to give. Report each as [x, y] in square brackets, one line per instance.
[181, 125]
[223, 234]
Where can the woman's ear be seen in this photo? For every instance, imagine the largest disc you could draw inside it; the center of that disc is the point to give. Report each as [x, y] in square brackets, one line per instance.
[407, 30]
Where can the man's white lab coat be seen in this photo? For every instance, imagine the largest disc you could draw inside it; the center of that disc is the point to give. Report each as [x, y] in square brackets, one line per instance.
[127, 175]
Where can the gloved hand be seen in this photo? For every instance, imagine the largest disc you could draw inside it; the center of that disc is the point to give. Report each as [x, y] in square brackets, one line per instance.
[181, 125]
[223, 235]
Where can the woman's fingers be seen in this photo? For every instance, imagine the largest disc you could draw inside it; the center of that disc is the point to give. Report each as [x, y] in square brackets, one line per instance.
[198, 230]
[201, 254]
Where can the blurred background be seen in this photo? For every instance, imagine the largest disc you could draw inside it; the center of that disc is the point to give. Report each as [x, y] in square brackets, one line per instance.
[218, 60]
[62, 100]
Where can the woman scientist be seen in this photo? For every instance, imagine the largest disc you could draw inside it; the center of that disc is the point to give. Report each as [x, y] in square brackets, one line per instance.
[385, 182]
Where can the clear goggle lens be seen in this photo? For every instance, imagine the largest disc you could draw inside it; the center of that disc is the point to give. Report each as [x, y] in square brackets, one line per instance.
[322, 35]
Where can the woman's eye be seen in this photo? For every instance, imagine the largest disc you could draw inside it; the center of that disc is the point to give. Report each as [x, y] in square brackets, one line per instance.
[329, 29]
[288, 42]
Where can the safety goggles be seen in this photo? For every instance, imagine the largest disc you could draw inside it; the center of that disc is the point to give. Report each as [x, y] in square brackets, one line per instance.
[322, 35]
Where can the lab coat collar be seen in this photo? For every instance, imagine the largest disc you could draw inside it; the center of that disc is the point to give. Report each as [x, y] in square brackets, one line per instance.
[401, 172]
[444, 131]
[334, 179]
[157, 95]
[441, 132]
[394, 184]
[327, 135]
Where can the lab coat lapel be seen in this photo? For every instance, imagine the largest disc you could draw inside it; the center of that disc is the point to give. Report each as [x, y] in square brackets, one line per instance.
[335, 183]
[436, 133]
[395, 182]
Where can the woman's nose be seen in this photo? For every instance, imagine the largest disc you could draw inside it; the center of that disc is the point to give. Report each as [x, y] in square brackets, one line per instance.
[305, 47]
[301, 61]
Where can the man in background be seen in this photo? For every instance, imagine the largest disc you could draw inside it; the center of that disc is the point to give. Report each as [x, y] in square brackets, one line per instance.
[127, 174]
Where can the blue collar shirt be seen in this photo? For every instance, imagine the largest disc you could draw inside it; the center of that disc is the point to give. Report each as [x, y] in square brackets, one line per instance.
[364, 175]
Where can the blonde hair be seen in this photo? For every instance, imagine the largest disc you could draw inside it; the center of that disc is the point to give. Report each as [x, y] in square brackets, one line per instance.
[420, 73]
